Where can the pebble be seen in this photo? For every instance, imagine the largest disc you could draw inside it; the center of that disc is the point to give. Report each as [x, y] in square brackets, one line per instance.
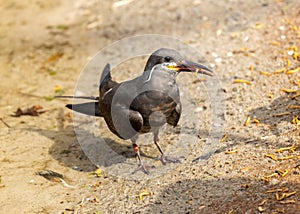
[214, 54]
[229, 54]
[291, 52]
[218, 60]
[75, 167]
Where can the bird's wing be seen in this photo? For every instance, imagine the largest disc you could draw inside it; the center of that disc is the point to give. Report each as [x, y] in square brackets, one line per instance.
[157, 108]
[175, 115]
[124, 122]
[121, 119]
[106, 83]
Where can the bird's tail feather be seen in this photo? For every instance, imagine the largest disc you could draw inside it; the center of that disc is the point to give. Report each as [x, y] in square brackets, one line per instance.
[90, 108]
[79, 97]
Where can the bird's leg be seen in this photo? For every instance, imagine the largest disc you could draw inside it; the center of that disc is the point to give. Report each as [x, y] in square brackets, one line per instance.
[164, 158]
[142, 166]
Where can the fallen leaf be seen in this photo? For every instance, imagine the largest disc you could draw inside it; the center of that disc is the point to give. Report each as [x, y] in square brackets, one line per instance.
[291, 148]
[144, 193]
[296, 121]
[223, 138]
[288, 202]
[231, 151]
[289, 90]
[275, 43]
[242, 81]
[35, 110]
[273, 157]
[97, 172]
[54, 57]
[255, 120]
[62, 27]
[293, 107]
[284, 195]
[259, 25]
[266, 73]
[278, 190]
[293, 71]
[279, 71]
[260, 209]
[282, 173]
[288, 63]
[281, 114]
[286, 158]
[263, 202]
[58, 90]
[247, 121]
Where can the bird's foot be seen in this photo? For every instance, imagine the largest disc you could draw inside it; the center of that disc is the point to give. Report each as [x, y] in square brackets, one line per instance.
[169, 159]
[143, 167]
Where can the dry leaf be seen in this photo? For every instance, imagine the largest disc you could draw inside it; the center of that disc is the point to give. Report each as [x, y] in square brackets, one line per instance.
[223, 138]
[247, 121]
[35, 110]
[144, 193]
[296, 121]
[266, 73]
[231, 151]
[54, 57]
[293, 71]
[242, 81]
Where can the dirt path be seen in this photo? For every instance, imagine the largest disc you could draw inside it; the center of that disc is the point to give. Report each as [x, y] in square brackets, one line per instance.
[44, 47]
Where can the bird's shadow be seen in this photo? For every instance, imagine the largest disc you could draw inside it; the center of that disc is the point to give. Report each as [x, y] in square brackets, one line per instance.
[81, 150]
[86, 155]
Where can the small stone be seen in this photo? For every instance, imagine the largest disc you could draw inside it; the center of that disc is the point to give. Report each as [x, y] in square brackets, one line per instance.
[229, 54]
[219, 32]
[283, 37]
[218, 60]
[75, 167]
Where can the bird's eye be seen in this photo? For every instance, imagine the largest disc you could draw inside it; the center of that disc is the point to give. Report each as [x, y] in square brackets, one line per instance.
[168, 59]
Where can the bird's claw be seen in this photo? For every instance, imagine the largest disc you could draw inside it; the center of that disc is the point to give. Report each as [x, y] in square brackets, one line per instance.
[168, 159]
[143, 167]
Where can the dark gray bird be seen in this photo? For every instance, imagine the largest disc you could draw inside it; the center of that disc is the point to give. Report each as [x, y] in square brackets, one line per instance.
[143, 104]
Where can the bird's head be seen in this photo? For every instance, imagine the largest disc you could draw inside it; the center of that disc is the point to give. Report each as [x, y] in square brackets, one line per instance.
[171, 60]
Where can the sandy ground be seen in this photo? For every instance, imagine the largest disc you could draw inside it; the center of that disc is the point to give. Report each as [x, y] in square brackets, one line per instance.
[44, 47]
